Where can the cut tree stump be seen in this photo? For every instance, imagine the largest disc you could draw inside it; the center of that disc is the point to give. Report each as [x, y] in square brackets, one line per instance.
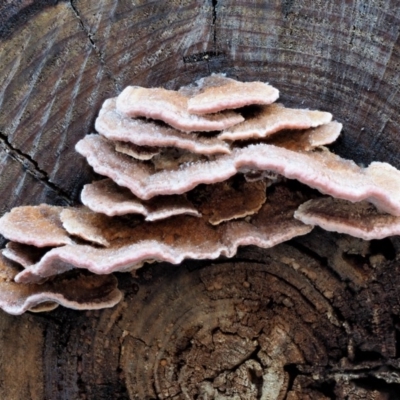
[315, 318]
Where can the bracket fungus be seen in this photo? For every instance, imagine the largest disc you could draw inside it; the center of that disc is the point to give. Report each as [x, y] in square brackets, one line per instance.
[171, 107]
[193, 173]
[77, 290]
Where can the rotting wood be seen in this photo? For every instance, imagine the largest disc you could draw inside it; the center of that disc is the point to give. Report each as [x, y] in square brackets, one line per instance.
[61, 59]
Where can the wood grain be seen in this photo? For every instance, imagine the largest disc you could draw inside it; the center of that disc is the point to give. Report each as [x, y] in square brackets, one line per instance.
[323, 312]
[308, 318]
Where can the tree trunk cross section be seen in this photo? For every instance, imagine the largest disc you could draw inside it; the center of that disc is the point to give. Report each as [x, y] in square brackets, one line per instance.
[316, 318]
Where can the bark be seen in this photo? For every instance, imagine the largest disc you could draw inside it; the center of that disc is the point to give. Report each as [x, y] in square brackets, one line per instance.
[312, 319]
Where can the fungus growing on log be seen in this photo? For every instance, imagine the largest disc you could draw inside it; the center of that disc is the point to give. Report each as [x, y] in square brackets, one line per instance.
[39, 226]
[273, 118]
[174, 192]
[217, 93]
[77, 290]
[128, 246]
[107, 197]
[119, 127]
[321, 170]
[231, 199]
[23, 254]
[138, 152]
[172, 108]
[307, 139]
[361, 219]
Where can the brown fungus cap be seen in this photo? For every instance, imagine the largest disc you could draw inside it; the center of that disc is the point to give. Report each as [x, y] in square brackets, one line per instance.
[231, 199]
[90, 226]
[142, 178]
[171, 107]
[118, 127]
[217, 93]
[321, 170]
[24, 254]
[46, 306]
[361, 219]
[143, 153]
[273, 224]
[77, 290]
[39, 226]
[172, 159]
[268, 120]
[219, 202]
[307, 139]
[163, 166]
[108, 198]
[175, 239]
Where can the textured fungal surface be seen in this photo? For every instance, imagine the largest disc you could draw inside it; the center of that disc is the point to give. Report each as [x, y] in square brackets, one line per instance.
[78, 291]
[217, 93]
[36, 225]
[361, 219]
[195, 174]
[268, 120]
[307, 139]
[172, 240]
[138, 152]
[107, 197]
[172, 108]
[118, 127]
[322, 170]
[231, 199]
[24, 254]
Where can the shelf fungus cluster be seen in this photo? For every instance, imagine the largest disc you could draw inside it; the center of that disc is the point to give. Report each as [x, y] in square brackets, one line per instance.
[190, 174]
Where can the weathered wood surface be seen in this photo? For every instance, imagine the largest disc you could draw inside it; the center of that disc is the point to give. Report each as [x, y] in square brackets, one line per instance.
[316, 319]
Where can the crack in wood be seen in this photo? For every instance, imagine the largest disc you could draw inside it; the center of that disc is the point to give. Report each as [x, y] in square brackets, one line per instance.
[203, 56]
[87, 32]
[89, 35]
[32, 168]
[214, 21]
[207, 56]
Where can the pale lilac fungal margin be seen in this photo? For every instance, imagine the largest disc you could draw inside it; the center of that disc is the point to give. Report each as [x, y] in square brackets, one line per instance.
[155, 146]
[322, 170]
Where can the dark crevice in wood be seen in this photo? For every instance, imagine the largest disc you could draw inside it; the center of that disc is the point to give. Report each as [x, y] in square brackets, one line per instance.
[48, 319]
[320, 259]
[327, 389]
[140, 340]
[32, 167]
[96, 48]
[384, 247]
[356, 261]
[309, 252]
[214, 22]
[206, 57]
[323, 261]
[396, 324]
[366, 356]
[287, 7]
[192, 265]
[86, 30]
[376, 384]
[293, 372]
[79, 382]
[199, 57]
